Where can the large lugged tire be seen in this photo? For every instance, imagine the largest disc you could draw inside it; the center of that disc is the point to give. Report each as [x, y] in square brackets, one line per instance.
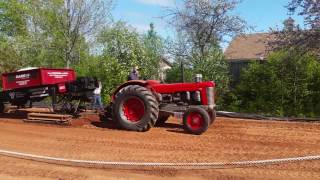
[135, 108]
[196, 120]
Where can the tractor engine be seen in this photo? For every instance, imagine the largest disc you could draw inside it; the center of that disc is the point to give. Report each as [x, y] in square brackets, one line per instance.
[187, 98]
[191, 97]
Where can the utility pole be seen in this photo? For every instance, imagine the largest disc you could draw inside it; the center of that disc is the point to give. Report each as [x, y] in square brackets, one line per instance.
[182, 71]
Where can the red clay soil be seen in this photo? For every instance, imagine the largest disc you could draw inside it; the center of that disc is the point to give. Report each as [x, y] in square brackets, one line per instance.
[226, 140]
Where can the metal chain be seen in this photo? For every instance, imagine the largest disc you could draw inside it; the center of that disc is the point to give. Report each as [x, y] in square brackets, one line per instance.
[132, 165]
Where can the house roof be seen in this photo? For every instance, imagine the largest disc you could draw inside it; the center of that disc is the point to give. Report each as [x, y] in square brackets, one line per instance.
[165, 61]
[248, 47]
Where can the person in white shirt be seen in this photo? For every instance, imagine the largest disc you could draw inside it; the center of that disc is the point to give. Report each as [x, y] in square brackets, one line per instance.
[134, 74]
[97, 103]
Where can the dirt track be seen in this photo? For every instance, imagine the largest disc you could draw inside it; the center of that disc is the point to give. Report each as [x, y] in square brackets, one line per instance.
[226, 140]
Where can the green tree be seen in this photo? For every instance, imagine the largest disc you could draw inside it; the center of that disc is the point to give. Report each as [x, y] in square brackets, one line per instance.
[47, 33]
[13, 19]
[122, 48]
[13, 35]
[122, 43]
[105, 68]
[300, 40]
[284, 85]
[201, 26]
[206, 23]
[213, 68]
[259, 90]
[154, 46]
[173, 75]
[66, 23]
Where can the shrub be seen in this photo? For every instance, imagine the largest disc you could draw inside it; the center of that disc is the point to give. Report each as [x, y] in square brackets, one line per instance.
[286, 85]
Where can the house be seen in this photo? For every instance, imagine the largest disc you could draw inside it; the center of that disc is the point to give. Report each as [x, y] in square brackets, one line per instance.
[164, 66]
[244, 49]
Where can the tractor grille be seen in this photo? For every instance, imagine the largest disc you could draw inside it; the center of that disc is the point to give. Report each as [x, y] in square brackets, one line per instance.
[210, 95]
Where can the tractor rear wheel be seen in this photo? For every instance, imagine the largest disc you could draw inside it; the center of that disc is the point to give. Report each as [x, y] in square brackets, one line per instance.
[196, 120]
[135, 108]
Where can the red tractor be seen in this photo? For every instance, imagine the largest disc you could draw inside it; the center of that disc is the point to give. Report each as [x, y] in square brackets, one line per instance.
[139, 105]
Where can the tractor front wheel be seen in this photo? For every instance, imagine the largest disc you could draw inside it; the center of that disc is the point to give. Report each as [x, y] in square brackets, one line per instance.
[196, 120]
[135, 108]
[213, 115]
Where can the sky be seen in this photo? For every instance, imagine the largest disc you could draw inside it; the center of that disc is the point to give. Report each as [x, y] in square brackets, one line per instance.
[260, 14]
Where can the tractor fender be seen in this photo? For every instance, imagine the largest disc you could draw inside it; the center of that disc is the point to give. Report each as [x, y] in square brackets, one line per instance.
[144, 83]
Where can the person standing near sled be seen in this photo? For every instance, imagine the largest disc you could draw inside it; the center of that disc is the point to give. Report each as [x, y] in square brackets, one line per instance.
[97, 102]
[134, 74]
